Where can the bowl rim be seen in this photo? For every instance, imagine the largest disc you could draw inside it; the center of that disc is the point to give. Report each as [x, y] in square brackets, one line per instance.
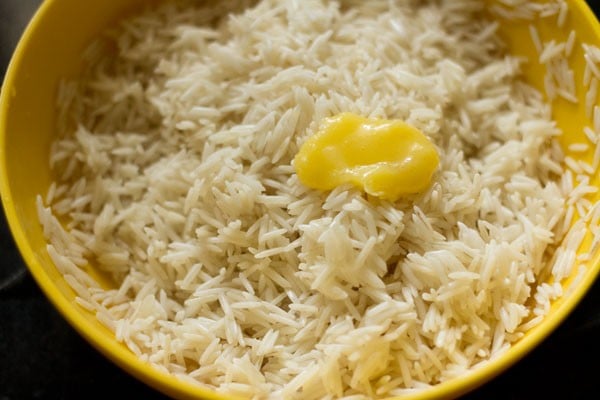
[170, 384]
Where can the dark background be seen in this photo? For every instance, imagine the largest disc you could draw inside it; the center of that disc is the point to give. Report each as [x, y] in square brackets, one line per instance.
[42, 357]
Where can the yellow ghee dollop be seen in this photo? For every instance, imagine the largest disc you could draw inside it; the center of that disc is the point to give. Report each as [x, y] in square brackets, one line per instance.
[385, 158]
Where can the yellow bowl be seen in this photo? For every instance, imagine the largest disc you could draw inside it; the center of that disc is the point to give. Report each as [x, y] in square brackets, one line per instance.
[48, 52]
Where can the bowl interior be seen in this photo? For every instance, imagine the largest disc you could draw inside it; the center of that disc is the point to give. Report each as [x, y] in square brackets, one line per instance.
[48, 53]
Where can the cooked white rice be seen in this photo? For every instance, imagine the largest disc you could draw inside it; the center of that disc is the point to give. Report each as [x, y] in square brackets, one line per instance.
[174, 175]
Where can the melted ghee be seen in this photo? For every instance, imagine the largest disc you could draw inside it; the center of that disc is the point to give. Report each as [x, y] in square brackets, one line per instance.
[385, 158]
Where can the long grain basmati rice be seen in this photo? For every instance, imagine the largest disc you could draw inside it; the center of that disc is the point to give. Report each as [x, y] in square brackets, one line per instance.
[174, 176]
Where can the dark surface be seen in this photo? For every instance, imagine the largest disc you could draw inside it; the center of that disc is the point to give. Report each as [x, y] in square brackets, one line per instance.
[42, 357]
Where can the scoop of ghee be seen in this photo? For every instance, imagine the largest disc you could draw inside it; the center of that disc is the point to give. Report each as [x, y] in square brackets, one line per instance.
[385, 158]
